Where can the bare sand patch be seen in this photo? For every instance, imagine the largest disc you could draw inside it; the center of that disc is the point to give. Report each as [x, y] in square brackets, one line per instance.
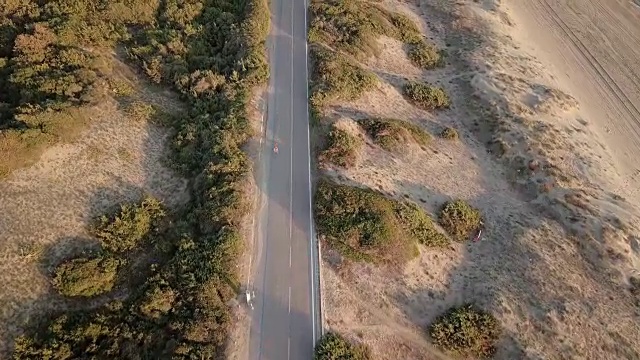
[561, 240]
[46, 207]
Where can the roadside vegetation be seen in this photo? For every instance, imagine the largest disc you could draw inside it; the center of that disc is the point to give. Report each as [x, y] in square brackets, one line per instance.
[426, 96]
[86, 277]
[459, 219]
[337, 78]
[127, 228]
[353, 27]
[364, 225]
[391, 134]
[213, 54]
[466, 331]
[333, 346]
[425, 56]
[449, 134]
[342, 148]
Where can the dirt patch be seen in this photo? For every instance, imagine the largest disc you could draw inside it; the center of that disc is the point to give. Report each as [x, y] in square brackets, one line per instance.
[47, 207]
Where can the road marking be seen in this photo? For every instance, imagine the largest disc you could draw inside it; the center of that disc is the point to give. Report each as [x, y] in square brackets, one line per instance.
[291, 152]
[289, 338]
[311, 234]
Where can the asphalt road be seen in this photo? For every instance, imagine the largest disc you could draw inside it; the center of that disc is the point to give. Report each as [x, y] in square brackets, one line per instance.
[286, 315]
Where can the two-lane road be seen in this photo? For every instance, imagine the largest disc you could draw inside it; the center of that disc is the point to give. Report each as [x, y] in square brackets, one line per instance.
[286, 317]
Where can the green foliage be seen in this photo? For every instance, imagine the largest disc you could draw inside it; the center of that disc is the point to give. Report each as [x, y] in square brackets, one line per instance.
[420, 225]
[426, 96]
[392, 134]
[425, 55]
[466, 331]
[352, 26]
[140, 111]
[336, 77]
[361, 224]
[459, 219]
[126, 229]
[449, 133]
[121, 88]
[333, 346]
[342, 148]
[213, 54]
[54, 59]
[157, 302]
[86, 277]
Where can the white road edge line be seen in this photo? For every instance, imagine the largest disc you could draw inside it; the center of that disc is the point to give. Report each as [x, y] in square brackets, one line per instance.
[290, 187]
[291, 150]
[311, 234]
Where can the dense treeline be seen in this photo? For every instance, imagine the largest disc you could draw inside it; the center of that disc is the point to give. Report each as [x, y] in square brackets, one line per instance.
[212, 52]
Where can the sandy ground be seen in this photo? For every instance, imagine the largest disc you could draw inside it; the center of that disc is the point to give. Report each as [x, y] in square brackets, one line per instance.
[238, 344]
[45, 208]
[555, 187]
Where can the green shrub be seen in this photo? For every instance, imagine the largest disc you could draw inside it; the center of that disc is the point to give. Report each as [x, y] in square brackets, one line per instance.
[140, 111]
[86, 277]
[392, 134]
[333, 346]
[466, 331]
[126, 229]
[157, 302]
[425, 55]
[426, 96]
[352, 26]
[420, 225]
[449, 133]
[335, 77]
[342, 148]
[361, 224]
[459, 219]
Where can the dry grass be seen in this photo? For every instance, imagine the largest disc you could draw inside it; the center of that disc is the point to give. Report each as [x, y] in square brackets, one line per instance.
[527, 270]
[46, 208]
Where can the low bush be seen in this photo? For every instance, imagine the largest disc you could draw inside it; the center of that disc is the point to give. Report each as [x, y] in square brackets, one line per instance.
[86, 277]
[335, 77]
[342, 148]
[420, 225]
[425, 55]
[459, 219]
[466, 331]
[426, 96]
[140, 111]
[353, 26]
[126, 229]
[392, 134]
[333, 346]
[362, 224]
[449, 133]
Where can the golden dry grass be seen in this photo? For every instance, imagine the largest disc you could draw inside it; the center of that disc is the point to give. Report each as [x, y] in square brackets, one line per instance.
[46, 207]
